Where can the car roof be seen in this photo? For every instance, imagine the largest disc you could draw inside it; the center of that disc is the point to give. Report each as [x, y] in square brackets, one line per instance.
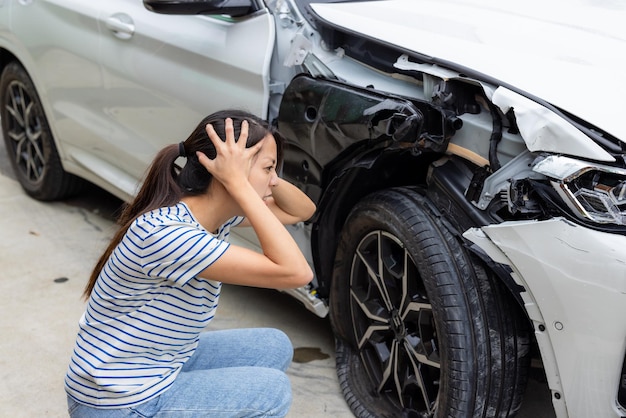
[571, 54]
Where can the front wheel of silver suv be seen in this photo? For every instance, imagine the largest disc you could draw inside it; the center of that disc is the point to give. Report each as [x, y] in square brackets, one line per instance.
[422, 329]
[28, 139]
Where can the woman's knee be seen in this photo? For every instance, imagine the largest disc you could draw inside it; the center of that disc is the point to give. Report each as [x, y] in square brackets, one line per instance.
[279, 344]
[281, 394]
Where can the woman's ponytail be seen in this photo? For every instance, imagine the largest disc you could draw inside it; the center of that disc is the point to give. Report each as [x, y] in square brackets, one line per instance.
[160, 188]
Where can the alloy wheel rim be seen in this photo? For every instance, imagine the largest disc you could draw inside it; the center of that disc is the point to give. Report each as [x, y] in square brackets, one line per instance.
[24, 131]
[393, 323]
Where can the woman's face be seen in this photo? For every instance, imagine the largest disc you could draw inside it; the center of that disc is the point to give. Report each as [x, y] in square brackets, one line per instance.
[263, 170]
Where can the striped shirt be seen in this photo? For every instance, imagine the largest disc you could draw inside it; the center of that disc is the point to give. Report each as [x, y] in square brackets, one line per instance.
[146, 310]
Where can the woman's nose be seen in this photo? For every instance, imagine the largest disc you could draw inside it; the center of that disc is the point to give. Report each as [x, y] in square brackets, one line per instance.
[274, 179]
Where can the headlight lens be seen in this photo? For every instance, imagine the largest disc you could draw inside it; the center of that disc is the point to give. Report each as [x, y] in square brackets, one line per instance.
[600, 197]
[593, 191]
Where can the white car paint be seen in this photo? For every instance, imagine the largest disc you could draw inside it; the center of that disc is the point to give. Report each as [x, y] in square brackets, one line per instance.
[205, 60]
[544, 130]
[133, 67]
[575, 297]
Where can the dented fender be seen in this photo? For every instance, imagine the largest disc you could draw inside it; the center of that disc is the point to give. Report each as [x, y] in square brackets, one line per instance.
[575, 290]
[544, 130]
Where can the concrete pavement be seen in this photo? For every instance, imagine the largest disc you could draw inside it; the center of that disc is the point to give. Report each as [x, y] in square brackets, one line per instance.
[47, 251]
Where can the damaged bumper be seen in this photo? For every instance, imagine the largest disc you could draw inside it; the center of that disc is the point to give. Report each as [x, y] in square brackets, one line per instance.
[574, 281]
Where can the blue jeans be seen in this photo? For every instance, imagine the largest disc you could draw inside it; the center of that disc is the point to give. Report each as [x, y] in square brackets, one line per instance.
[233, 373]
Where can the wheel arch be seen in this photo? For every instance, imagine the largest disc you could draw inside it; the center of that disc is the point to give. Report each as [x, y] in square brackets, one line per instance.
[447, 183]
[7, 57]
[443, 179]
[345, 141]
[367, 174]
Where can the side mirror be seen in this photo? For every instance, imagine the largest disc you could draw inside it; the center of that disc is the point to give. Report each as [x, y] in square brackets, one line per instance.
[234, 8]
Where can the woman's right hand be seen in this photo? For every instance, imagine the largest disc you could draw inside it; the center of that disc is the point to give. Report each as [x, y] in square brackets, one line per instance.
[231, 165]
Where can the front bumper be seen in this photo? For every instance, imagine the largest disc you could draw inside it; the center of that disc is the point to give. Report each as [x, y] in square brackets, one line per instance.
[575, 282]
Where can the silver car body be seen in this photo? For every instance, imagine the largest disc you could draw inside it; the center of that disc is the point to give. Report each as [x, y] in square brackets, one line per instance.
[113, 110]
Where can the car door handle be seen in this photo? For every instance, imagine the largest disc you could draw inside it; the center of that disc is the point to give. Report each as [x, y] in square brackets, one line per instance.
[121, 25]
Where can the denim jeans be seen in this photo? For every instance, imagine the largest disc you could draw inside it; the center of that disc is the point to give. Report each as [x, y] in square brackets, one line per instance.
[233, 373]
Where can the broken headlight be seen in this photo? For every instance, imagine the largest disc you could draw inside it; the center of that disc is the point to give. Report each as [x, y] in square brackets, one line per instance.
[592, 191]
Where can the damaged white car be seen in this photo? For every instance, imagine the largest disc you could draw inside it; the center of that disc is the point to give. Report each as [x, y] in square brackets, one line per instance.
[466, 157]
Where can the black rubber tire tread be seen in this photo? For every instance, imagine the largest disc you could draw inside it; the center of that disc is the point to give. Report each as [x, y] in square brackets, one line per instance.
[483, 336]
[55, 182]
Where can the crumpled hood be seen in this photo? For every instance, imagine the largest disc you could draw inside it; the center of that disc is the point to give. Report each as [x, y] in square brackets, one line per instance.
[569, 53]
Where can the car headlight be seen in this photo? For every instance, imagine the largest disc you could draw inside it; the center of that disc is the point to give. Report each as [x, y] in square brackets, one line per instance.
[593, 191]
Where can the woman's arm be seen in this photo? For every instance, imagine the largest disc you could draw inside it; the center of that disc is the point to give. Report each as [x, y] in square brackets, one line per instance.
[281, 265]
[288, 203]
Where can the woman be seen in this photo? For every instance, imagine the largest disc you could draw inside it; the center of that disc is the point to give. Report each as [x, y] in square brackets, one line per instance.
[140, 349]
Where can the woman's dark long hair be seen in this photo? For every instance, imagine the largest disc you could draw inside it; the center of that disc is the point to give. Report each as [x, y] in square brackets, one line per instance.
[166, 183]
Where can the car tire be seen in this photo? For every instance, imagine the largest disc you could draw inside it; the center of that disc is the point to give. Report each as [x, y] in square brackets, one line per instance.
[28, 139]
[422, 329]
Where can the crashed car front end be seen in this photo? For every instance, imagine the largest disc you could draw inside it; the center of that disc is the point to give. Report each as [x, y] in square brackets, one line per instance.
[535, 192]
[569, 254]
[569, 259]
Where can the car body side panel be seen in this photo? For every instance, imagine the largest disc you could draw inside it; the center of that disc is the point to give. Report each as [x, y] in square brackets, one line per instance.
[578, 294]
[63, 64]
[158, 87]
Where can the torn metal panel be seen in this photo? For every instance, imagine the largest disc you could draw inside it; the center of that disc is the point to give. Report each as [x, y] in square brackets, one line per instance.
[322, 119]
[435, 71]
[544, 130]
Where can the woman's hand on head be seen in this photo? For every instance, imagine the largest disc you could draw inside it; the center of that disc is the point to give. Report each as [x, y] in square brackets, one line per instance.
[281, 263]
[231, 165]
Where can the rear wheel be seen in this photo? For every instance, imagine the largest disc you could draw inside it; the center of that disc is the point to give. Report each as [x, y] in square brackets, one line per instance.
[28, 139]
[422, 329]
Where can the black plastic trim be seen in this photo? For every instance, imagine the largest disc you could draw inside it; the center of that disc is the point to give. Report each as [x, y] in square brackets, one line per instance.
[621, 388]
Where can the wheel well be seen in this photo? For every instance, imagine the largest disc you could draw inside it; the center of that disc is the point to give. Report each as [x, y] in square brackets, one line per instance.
[6, 57]
[389, 168]
[344, 142]
[448, 182]
[444, 183]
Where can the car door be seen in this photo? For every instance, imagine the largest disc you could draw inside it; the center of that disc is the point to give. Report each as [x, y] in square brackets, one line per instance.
[61, 55]
[164, 73]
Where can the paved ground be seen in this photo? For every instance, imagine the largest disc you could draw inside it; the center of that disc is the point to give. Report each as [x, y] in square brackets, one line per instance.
[46, 253]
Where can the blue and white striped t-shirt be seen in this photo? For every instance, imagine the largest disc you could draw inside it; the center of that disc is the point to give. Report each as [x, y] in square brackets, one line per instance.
[146, 310]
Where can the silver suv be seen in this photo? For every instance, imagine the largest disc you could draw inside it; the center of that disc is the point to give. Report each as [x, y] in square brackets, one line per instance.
[467, 159]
